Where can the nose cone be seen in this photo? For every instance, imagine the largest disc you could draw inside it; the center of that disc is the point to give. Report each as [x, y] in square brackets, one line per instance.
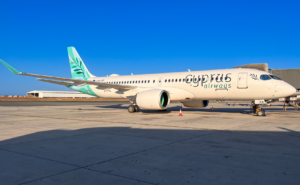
[288, 90]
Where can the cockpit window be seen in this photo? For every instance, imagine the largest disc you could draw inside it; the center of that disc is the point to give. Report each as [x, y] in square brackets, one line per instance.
[265, 77]
[275, 77]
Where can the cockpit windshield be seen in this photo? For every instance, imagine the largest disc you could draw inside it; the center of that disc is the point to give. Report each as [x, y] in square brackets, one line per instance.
[275, 77]
[265, 77]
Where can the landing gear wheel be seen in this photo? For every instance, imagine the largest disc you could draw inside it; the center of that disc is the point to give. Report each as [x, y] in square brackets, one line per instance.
[261, 113]
[137, 109]
[131, 108]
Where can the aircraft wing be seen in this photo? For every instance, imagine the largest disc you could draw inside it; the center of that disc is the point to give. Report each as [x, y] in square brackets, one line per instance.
[69, 80]
[55, 82]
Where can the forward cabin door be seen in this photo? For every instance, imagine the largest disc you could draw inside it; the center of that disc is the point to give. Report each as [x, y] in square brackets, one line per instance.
[243, 80]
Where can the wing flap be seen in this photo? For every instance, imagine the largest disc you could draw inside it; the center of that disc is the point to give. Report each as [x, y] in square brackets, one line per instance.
[55, 82]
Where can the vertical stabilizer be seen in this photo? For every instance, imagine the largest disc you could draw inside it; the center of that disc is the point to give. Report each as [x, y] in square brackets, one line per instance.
[78, 68]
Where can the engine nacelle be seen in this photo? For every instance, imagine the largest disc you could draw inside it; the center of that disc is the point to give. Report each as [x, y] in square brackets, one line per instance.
[153, 99]
[196, 103]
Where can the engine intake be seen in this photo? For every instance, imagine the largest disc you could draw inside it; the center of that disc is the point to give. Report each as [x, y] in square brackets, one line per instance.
[153, 99]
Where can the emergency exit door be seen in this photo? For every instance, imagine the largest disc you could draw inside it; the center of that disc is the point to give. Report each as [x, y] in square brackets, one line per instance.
[242, 80]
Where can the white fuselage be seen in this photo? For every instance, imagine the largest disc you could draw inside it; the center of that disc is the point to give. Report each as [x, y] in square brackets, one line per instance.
[226, 84]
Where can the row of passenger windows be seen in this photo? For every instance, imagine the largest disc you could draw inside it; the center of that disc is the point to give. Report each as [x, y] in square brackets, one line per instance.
[166, 80]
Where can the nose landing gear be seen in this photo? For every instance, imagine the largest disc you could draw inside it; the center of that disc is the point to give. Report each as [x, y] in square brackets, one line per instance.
[257, 108]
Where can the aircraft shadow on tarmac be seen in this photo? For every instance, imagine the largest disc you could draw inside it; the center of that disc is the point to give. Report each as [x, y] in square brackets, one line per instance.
[165, 156]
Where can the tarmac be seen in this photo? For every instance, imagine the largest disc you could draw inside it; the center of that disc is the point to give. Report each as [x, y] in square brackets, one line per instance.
[101, 143]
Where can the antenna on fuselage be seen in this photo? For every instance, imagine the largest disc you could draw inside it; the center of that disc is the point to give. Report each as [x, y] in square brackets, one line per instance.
[189, 69]
[131, 74]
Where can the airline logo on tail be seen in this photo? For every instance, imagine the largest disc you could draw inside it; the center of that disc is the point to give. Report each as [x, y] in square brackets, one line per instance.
[78, 68]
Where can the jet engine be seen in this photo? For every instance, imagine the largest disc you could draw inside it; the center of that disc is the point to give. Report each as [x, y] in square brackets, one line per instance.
[153, 99]
[196, 103]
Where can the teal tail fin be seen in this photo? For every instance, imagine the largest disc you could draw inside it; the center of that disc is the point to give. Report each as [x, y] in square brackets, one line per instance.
[78, 69]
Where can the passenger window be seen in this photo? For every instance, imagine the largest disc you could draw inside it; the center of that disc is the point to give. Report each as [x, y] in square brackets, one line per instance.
[166, 80]
[153, 81]
[191, 79]
[183, 80]
[265, 77]
[226, 78]
[169, 80]
[179, 80]
[148, 81]
[172, 80]
[175, 80]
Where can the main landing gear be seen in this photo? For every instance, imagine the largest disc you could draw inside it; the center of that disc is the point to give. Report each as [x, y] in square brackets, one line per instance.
[133, 108]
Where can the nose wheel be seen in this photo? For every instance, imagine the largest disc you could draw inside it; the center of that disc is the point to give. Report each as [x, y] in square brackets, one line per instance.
[257, 109]
[133, 108]
[261, 113]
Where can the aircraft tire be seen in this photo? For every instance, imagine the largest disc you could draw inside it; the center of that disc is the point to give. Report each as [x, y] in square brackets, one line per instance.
[131, 109]
[136, 108]
[261, 113]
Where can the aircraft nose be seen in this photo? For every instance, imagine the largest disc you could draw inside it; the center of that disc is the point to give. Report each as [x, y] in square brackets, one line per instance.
[289, 90]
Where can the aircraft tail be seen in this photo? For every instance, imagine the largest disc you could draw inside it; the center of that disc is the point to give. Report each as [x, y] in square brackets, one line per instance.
[78, 68]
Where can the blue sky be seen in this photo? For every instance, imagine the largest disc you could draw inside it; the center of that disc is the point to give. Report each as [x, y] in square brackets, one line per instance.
[140, 37]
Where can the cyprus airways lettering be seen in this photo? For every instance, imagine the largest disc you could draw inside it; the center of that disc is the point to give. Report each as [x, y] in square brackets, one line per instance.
[216, 81]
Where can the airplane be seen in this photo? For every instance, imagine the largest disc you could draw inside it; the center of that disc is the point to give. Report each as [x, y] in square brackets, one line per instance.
[156, 91]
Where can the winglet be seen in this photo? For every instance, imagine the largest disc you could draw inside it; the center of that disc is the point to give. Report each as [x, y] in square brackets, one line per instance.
[9, 67]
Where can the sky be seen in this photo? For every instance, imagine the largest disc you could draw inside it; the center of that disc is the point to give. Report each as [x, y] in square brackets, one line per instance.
[141, 37]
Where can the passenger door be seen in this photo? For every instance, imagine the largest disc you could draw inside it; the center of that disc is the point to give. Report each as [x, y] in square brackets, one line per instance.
[242, 80]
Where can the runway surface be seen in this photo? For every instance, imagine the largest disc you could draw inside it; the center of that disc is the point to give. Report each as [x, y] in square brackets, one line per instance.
[101, 143]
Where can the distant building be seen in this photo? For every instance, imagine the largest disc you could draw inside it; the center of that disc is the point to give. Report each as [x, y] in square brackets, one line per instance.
[58, 94]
